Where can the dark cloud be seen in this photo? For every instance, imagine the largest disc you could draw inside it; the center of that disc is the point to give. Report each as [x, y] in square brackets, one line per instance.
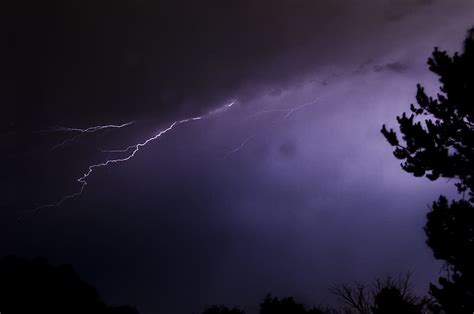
[398, 67]
[83, 58]
[288, 149]
[426, 2]
[396, 10]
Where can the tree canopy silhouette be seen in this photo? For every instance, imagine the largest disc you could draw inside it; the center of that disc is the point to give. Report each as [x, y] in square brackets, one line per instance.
[443, 145]
[437, 140]
[383, 296]
[35, 286]
[387, 296]
[222, 309]
[275, 305]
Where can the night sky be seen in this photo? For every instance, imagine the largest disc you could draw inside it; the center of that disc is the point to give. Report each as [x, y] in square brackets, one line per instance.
[251, 199]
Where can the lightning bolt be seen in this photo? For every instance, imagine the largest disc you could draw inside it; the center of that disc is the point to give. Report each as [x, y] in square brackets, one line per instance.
[81, 132]
[239, 148]
[288, 111]
[212, 112]
[222, 109]
[132, 150]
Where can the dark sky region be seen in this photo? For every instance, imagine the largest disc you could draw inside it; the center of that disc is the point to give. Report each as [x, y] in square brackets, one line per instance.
[311, 199]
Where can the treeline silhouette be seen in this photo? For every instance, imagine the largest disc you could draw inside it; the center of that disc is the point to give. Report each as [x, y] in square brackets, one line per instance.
[387, 296]
[35, 286]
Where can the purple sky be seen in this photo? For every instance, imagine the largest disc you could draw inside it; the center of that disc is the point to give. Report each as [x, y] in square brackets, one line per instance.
[310, 200]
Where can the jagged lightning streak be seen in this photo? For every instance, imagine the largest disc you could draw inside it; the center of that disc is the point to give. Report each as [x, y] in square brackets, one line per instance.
[80, 132]
[133, 149]
[212, 112]
[289, 111]
[239, 148]
[222, 109]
